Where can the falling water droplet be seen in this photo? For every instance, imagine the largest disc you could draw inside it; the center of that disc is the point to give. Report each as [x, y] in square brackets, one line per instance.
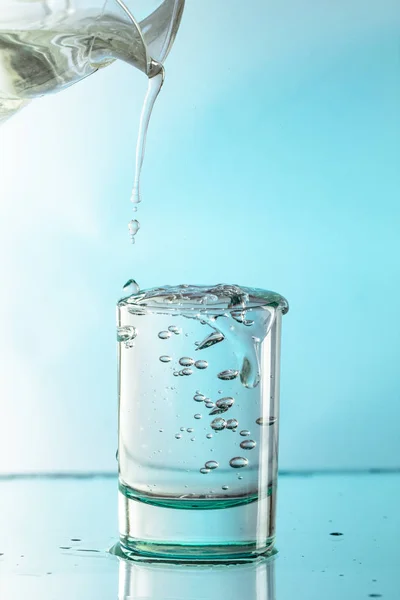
[232, 424]
[211, 464]
[165, 358]
[178, 436]
[197, 416]
[201, 364]
[228, 375]
[248, 444]
[238, 462]
[133, 227]
[218, 424]
[204, 471]
[213, 338]
[266, 422]
[185, 361]
[245, 432]
[164, 335]
[174, 329]
[131, 287]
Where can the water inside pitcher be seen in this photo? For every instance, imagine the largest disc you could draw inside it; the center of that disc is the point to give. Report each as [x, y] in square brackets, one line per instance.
[47, 45]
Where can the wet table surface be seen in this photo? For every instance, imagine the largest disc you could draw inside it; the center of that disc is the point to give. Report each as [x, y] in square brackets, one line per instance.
[55, 534]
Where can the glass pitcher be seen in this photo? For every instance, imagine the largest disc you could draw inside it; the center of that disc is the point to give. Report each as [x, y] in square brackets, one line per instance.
[47, 45]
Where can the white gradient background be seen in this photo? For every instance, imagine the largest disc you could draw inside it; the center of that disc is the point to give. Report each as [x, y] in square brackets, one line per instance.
[273, 160]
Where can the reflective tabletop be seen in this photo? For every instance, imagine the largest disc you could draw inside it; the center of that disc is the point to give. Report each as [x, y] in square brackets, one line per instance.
[337, 537]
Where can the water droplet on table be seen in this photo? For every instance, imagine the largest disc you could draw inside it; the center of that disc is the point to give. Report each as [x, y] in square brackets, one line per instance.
[238, 462]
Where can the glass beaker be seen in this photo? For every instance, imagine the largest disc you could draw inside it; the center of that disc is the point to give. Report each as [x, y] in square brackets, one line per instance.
[198, 421]
[45, 45]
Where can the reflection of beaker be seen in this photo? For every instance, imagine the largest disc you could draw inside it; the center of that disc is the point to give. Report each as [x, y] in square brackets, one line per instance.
[254, 580]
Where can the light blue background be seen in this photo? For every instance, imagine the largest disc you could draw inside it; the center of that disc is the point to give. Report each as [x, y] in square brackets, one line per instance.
[273, 160]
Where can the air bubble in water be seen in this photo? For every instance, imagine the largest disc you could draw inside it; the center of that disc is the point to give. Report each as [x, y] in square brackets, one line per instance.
[213, 338]
[240, 476]
[199, 397]
[175, 373]
[201, 364]
[185, 361]
[164, 335]
[218, 424]
[174, 329]
[245, 432]
[209, 403]
[133, 227]
[190, 429]
[232, 424]
[248, 444]
[238, 462]
[222, 405]
[165, 358]
[211, 464]
[131, 287]
[186, 371]
[126, 334]
[209, 436]
[228, 375]
[204, 470]
[193, 439]
[197, 416]
[225, 487]
[266, 422]
[182, 428]
[178, 436]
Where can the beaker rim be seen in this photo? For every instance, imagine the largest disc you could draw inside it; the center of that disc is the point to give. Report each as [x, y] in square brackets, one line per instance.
[205, 298]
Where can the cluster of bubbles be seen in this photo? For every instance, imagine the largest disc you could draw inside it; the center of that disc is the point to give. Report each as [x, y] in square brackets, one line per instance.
[128, 333]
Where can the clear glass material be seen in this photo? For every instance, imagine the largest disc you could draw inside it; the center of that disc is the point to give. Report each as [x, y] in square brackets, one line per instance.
[198, 421]
[47, 45]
